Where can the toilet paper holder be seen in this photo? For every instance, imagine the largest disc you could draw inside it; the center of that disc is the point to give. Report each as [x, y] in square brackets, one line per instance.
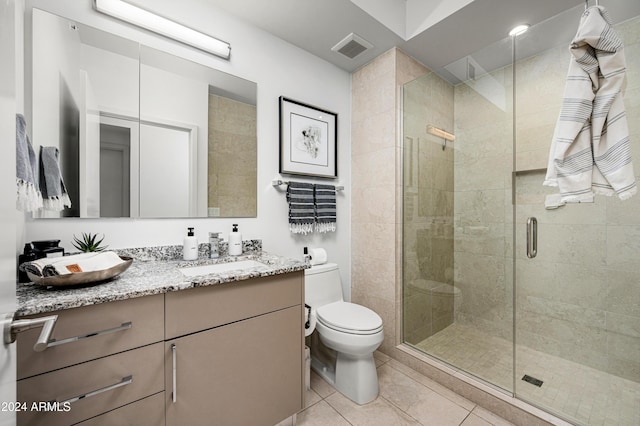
[308, 323]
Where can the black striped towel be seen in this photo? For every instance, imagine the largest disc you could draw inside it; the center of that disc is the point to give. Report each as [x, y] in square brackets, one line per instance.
[325, 199]
[301, 207]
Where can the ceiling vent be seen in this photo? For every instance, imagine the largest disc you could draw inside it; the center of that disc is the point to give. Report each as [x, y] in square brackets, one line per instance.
[352, 45]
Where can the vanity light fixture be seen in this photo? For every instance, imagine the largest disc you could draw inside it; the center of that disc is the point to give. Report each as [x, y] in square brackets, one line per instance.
[163, 26]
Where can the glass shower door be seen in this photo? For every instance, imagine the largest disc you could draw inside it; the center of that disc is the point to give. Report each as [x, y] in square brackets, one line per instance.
[577, 303]
[458, 215]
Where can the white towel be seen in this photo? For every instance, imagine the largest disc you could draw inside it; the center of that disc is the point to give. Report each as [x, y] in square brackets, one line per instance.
[84, 262]
[553, 201]
[590, 151]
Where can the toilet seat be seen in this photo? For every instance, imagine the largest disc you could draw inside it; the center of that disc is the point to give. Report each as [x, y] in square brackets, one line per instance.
[349, 318]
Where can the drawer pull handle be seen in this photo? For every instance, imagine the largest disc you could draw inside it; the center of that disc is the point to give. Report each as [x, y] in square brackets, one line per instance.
[124, 326]
[125, 381]
[174, 355]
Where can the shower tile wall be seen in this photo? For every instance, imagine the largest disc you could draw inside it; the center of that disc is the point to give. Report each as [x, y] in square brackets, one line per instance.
[427, 209]
[482, 212]
[579, 298]
[377, 187]
[232, 132]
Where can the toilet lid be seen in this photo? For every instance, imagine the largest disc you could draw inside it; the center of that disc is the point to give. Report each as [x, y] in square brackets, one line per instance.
[350, 318]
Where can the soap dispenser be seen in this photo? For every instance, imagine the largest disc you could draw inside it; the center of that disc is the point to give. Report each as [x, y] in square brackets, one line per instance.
[235, 241]
[190, 246]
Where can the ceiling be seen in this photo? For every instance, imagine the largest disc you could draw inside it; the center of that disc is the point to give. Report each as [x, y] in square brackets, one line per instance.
[317, 25]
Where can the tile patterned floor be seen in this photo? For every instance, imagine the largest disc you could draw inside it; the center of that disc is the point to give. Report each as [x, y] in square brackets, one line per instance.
[406, 398]
[587, 395]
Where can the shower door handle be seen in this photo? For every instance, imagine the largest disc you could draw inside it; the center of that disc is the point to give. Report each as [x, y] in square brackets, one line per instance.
[532, 237]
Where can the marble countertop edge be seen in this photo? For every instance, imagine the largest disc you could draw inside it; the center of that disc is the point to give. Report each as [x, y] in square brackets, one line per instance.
[147, 278]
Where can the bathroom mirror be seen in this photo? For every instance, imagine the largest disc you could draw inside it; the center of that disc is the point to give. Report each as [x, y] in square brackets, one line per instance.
[141, 133]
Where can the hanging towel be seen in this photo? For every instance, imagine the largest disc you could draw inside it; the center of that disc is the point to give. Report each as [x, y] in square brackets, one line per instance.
[590, 151]
[325, 200]
[301, 207]
[29, 198]
[54, 193]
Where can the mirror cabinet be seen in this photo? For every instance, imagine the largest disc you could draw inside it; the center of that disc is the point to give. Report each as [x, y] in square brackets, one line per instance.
[140, 132]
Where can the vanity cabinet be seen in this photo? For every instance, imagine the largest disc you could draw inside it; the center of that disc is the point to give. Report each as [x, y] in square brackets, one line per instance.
[221, 354]
[235, 357]
[99, 358]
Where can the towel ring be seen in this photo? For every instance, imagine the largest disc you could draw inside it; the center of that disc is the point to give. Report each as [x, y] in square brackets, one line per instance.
[586, 4]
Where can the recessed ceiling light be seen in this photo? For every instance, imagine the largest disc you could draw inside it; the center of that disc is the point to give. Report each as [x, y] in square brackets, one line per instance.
[520, 29]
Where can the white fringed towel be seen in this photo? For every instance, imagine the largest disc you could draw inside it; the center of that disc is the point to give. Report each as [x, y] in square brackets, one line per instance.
[325, 203]
[84, 262]
[301, 207]
[590, 151]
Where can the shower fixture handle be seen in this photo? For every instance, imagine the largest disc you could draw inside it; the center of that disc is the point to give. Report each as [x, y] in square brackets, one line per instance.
[532, 237]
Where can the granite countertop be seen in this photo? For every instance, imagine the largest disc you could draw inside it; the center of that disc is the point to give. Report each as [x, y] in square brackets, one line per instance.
[152, 272]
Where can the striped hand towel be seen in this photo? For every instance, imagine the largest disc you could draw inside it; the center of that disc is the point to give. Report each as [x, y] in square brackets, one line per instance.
[590, 151]
[54, 193]
[325, 199]
[29, 196]
[301, 207]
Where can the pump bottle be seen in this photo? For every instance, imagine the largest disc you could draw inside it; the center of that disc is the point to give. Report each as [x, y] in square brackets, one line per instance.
[190, 246]
[235, 241]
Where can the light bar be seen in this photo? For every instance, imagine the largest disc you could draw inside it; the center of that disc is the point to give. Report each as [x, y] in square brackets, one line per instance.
[440, 133]
[163, 26]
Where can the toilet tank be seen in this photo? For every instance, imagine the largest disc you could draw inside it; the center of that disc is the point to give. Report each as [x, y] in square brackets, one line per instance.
[322, 285]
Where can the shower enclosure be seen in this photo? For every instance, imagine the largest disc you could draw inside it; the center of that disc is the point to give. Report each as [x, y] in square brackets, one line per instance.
[560, 330]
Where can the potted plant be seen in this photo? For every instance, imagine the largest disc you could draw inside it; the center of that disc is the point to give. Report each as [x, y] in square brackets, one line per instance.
[88, 242]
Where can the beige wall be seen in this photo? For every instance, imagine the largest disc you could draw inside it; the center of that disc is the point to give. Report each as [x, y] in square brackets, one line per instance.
[482, 205]
[377, 186]
[232, 134]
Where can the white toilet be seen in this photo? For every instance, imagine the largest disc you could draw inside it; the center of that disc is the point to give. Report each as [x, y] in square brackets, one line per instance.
[348, 336]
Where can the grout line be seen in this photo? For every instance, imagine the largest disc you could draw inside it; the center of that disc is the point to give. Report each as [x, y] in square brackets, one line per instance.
[466, 417]
[401, 410]
[337, 411]
[435, 390]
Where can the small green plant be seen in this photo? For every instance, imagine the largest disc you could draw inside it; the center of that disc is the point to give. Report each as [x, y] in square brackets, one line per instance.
[88, 242]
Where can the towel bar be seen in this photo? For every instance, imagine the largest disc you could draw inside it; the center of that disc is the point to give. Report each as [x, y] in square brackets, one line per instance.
[278, 182]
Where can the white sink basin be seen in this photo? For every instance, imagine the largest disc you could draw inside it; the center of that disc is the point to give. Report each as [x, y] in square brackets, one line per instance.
[218, 268]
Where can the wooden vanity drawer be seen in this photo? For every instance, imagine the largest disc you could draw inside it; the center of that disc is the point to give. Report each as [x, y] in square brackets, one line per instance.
[198, 309]
[146, 412]
[144, 368]
[145, 315]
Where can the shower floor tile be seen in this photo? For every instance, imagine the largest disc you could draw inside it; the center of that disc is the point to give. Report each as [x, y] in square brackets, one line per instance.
[584, 394]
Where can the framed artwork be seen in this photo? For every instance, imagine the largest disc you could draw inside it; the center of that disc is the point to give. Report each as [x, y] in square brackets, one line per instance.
[308, 144]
